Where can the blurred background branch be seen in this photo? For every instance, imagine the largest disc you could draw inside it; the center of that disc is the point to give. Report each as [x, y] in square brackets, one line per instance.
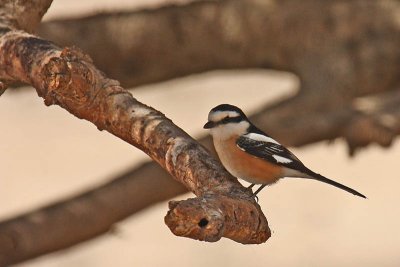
[329, 45]
[84, 216]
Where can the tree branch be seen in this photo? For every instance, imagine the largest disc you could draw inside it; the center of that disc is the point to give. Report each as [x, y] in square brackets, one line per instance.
[329, 46]
[84, 216]
[337, 55]
[150, 178]
[23, 15]
[69, 79]
[322, 42]
[163, 43]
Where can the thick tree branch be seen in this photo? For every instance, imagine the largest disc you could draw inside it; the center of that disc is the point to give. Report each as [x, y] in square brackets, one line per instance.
[164, 43]
[150, 178]
[330, 45]
[69, 79]
[352, 45]
[23, 15]
[212, 216]
[337, 55]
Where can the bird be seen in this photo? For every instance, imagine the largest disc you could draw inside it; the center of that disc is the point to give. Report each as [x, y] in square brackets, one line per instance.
[248, 153]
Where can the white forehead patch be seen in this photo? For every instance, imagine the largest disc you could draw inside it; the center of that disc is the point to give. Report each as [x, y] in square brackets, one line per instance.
[281, 159]
[219, 115]
[262, 138]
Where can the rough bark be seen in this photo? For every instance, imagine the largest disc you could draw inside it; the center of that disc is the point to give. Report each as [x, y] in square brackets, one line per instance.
[341, 50]
[68, 78]
[23, 14]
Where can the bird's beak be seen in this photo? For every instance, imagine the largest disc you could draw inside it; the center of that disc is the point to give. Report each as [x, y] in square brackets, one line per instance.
[209, 125]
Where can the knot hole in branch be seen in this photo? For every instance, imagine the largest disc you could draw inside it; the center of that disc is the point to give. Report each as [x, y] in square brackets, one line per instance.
[203, 223]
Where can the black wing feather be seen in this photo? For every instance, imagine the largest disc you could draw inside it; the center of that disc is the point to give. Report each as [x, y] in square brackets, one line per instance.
[266, 151]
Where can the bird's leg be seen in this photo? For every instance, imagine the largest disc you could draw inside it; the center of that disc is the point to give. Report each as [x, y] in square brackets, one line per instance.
[258, 190]
[251, 186]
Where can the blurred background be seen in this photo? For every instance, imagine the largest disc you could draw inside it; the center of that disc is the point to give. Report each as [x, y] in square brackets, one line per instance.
[312, 223]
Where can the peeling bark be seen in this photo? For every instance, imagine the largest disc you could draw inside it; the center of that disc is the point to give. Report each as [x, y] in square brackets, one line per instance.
[68, 78]
[345, 53]
[23, 15]
[213, 216]
[341, 50]
[352, 44]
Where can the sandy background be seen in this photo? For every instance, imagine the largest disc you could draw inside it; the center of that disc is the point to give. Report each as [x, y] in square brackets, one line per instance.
[46, 153]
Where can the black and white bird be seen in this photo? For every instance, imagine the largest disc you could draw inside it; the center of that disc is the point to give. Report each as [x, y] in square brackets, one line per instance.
[252, 155]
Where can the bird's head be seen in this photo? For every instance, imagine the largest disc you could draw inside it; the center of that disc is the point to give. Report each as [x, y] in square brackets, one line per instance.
[226, 121]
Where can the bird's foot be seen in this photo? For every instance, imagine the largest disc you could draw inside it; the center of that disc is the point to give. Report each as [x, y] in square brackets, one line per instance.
[256, 198]
[258, 191]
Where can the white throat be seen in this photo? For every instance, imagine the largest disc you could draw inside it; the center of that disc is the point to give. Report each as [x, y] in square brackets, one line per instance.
[226, 131]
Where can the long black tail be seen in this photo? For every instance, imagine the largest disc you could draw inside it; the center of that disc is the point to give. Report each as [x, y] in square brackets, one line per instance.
[321, 178]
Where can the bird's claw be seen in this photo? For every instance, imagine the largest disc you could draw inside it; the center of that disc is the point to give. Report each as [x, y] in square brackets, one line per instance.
[256, 198]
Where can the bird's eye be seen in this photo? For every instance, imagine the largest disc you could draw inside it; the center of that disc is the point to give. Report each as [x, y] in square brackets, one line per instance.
[226, 119]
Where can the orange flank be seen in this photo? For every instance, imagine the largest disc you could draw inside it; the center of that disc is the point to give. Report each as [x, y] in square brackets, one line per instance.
[248, 167]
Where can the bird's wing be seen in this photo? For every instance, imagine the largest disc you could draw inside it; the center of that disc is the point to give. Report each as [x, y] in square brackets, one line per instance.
[266, 148]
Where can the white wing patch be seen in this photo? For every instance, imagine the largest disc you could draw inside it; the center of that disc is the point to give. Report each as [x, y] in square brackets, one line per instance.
[281, 159]
[261, 138]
